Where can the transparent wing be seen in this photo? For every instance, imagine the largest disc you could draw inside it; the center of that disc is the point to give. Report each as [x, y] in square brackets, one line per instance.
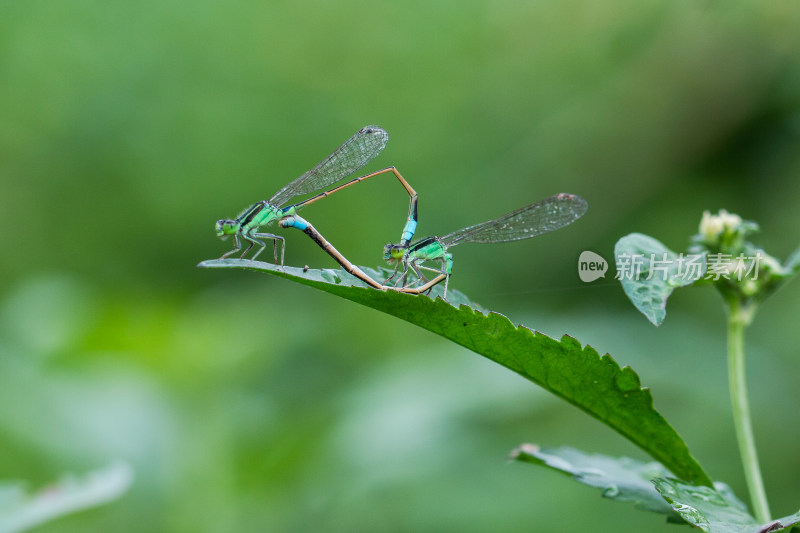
[356, 152]
[530, 221]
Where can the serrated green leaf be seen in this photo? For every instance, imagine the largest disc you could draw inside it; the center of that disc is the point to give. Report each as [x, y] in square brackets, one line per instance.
[716, 511]
[336, 277]
[649, 272]
[20, 511]
[575, 373]
[620, 478]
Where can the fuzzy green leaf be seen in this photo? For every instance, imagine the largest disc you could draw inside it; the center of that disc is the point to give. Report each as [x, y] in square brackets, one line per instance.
[716, 511]
[575, 373]
[620, 478]
[649, 272]
[20, 511]
[792, 264]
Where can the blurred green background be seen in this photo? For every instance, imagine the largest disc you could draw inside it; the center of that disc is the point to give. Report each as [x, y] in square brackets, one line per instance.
[249, 403]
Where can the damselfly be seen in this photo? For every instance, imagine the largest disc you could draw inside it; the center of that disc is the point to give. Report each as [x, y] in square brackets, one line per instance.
[530, 221]
[356, 152]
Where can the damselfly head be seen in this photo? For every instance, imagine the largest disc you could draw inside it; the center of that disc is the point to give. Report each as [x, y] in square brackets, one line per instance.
[226, 227]
[393, 252]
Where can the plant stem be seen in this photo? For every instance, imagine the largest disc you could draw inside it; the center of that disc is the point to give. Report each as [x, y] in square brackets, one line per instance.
[739, 317]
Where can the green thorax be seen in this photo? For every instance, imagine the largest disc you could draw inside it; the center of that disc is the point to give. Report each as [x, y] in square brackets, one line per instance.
[428, 249]
[261, 214]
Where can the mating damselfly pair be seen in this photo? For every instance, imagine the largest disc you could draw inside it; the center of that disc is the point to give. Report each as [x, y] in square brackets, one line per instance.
[530, 221]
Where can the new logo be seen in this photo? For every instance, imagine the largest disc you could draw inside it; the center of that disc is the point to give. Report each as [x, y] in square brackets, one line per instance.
[591, 266]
